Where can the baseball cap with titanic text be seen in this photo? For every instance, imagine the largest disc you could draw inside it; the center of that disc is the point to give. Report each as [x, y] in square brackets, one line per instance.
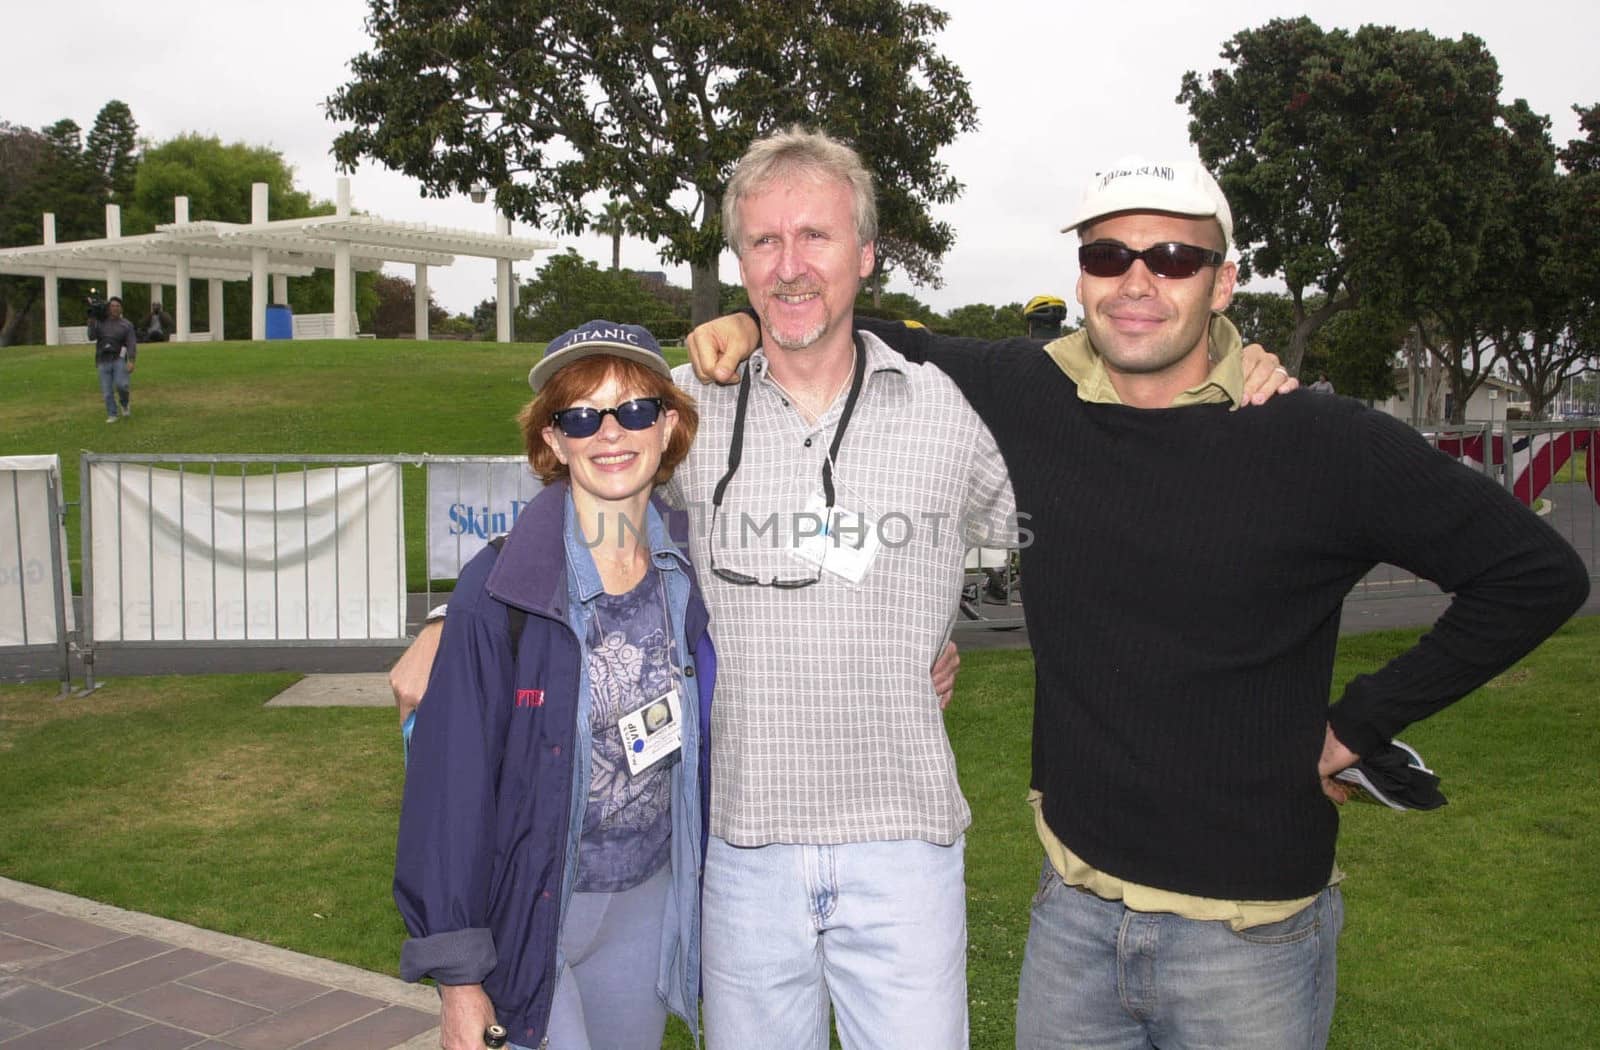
[629, 341]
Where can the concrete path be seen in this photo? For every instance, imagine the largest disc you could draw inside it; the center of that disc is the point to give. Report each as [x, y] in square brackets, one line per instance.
[76, 974]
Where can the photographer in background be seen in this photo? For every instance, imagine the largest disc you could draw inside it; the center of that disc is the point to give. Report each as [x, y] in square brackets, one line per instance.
[116, 345]
[158, 326]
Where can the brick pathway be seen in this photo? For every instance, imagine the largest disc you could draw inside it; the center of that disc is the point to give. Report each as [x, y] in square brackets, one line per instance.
[76, 974]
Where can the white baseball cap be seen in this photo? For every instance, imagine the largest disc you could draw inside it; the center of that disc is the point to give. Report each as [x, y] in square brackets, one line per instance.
[1136, 184]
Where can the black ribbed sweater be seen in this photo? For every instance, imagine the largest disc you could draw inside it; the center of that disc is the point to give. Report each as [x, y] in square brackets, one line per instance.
[1184, 585]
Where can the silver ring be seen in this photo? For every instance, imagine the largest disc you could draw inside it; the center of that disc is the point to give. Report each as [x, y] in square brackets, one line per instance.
[1282, 369]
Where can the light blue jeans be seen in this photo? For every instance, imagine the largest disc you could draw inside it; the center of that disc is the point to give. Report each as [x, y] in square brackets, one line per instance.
[880, 928]
[114, 382]
[1097, 976]
[605, 997]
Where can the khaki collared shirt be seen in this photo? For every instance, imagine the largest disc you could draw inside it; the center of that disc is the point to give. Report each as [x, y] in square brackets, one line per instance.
[1224, 384]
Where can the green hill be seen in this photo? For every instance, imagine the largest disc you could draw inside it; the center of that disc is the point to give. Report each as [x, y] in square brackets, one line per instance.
[313, 397]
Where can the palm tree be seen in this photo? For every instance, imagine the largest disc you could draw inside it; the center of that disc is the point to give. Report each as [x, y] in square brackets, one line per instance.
[612, 221]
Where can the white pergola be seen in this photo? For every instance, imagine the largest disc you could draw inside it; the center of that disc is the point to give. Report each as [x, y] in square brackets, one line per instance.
[264, 250]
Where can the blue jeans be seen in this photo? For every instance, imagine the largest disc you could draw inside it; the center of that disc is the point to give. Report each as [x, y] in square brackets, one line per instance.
[1097, 976]
[114, 382]
[605, 996]
[880, 928]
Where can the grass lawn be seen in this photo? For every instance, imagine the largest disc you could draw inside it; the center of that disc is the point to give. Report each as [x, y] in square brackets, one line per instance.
[291, 397]
[1469, 927]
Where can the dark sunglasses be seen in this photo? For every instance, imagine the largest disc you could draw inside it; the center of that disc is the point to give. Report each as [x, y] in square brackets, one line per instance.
[1105, 259]
[744, 579]
[580, 422]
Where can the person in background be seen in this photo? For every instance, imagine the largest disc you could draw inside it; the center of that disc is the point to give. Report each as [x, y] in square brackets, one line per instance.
[158, 326]
[116, 348]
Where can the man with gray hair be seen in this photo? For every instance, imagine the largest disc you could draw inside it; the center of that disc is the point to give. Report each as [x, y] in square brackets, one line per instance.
[837, 488]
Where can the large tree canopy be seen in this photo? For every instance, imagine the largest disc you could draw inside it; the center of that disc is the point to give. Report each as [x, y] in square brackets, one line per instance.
[1354, 161]
[51, 170]
[652, 102]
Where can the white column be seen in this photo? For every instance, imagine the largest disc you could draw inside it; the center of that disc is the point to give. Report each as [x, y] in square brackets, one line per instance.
[181, 306]
[214, 289]
[52, 293]
[113, 269]
[157, 294]
[258, 264]
[343, 287]
[280, 289]
[419, 324]
[502, 285]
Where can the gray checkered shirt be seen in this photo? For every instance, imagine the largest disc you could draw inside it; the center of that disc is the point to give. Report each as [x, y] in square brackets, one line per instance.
[825, 727]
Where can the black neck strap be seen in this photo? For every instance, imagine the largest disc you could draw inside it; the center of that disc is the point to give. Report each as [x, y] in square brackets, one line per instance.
[736, 443]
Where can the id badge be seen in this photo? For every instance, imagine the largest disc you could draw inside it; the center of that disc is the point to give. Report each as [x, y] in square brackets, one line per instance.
[652, 732]
[844, 545]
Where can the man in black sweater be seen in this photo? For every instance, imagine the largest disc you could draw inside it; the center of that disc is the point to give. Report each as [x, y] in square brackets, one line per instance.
[1183, 744]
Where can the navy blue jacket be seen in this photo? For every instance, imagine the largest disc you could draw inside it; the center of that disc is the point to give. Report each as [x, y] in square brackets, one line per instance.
[493, 802]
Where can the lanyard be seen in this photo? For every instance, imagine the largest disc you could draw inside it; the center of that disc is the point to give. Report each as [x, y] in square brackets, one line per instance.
[736, 443]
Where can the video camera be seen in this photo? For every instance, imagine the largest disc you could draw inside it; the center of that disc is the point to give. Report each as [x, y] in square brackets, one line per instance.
[94, 306]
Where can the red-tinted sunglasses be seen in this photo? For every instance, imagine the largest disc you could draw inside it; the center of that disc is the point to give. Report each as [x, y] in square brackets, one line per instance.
[1109, 259]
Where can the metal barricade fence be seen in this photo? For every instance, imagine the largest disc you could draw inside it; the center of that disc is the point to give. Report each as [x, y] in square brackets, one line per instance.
[1552, 468]
[35, 591]
[168, 534]
[198, 550]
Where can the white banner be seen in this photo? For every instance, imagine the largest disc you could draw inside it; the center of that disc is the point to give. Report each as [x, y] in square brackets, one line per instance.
[306, 554]
[468, 504]
[27, 607]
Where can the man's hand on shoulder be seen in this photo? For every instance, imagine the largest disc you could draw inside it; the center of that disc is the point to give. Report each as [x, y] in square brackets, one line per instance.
[1264, 376]
[408, 678]
[717, 347]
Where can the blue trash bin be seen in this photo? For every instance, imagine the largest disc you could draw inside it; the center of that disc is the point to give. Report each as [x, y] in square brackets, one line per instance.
[280, 322]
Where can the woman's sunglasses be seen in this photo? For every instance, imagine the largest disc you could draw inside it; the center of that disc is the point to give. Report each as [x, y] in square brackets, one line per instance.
[580, 422]
[1105, 259]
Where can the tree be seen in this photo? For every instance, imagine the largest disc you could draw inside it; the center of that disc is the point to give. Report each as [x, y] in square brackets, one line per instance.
[396, 310]
[551, 101]
[43, 171]
[111, 149]
[897, 306]
[1351, 161]
[983, 321]
[1268, 318]
[1582, 155]
[570, 290]
[1549, 258]
[1359, 349]
[612, 221]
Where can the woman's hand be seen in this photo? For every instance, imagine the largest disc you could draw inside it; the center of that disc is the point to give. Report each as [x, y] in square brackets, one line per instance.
[464, 1013]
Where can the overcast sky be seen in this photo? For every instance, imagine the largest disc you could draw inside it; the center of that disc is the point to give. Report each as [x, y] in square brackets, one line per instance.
[1062, 89]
